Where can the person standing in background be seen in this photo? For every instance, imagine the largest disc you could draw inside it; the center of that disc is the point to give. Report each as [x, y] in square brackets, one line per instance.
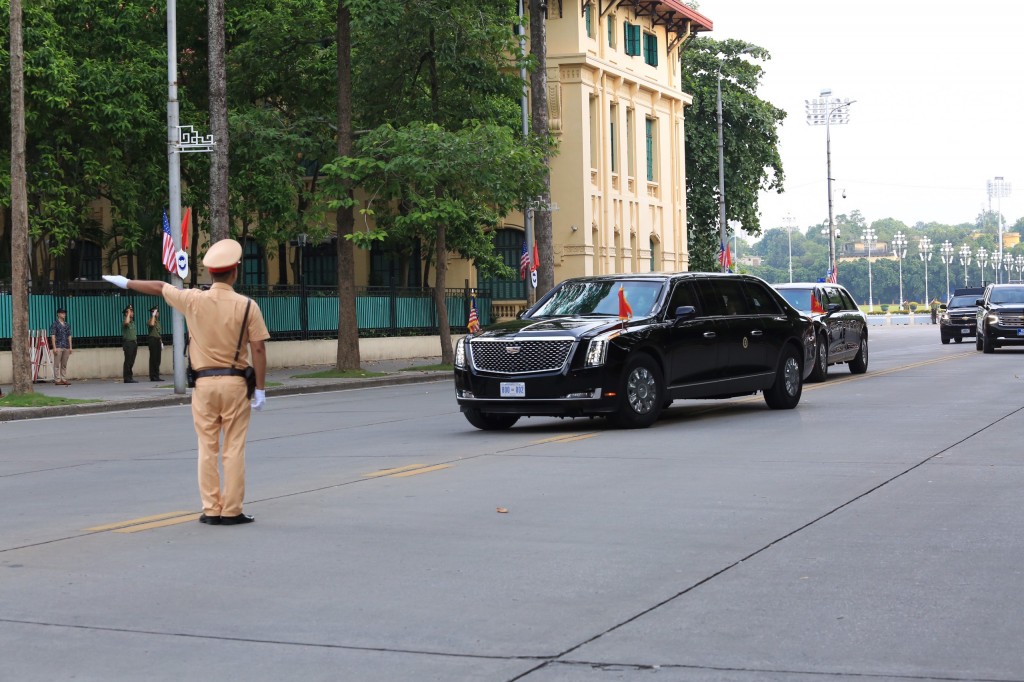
[156, 344]
[130, 343]
[60, 343]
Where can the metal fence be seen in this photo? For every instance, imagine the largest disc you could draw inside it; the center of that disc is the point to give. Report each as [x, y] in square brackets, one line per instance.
[290, 312]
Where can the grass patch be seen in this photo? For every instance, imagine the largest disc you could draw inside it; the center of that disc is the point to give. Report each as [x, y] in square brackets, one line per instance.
[39, 400]
[429, 368]
[335, 374]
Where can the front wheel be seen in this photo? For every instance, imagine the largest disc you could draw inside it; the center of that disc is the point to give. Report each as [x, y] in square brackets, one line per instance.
[945, 340]
[859, 364]
[987, 344]
[977, 340]
[489, 421]
[820, 371]
[642, 394]
[785, 393]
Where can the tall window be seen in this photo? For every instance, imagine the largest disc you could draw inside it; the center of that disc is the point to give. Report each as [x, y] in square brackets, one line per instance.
[320, 264]
[613, 139]
[587, 20]
[593, 133]
[630, 143]
[611, 31]
[90, 260]
[254, 272]
[632, 39]
[395, 264]
[651, 49]
[652, 148]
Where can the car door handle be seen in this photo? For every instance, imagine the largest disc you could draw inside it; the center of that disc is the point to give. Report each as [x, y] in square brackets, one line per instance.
[710, 335]
[756, 332]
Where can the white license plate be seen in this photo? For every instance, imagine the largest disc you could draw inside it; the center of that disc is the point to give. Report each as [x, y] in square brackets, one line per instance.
[1020, 332]
[513, 389]
[965, 330]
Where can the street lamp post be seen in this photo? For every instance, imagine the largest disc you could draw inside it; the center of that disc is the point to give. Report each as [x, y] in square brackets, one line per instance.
[899, 245]
[965, 260]
[721, 163]
[982, 258]
[789, 221]
[946, 251]
[924, 252]
[1020, 267]
[826, 110]
[1008, 262]
[869, 237]
[998, 188]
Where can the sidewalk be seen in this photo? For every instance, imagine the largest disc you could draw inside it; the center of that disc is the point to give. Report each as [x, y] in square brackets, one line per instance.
[113, 395]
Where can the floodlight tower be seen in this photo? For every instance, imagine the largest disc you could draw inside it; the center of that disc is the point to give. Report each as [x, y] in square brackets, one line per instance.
[826, 110]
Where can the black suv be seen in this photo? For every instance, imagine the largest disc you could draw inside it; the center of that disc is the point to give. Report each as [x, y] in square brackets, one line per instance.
[841, 327]
[1000, 316]
[626, 346]
[959, 317]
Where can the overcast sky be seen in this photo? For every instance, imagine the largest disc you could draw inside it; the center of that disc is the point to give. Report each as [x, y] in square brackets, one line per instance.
[939, 90]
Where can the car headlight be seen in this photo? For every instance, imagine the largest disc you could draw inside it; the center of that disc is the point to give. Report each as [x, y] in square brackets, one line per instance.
[597, 352]
[992, 318]
[460, 353]
[945, 317]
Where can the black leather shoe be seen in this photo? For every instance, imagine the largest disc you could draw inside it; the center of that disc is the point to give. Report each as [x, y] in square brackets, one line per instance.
[212, 520]
[236, 520]
[156, 378]
[130, 381]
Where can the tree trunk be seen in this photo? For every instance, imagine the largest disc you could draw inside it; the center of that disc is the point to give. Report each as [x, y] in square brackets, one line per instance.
[220, 226]
[443, 327]
[348, 325]
[539, 111]
[20, 360]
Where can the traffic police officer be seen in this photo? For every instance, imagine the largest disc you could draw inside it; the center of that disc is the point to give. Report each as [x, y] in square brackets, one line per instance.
[219, 402]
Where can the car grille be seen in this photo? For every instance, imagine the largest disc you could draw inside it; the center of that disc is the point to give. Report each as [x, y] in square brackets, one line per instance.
[532, 356]
[962, 319]
[1011, 319]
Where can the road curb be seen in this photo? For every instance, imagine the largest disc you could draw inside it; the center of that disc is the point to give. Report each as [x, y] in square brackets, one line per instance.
[9, 414]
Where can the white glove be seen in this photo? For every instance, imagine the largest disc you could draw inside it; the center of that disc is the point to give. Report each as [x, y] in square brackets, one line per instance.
[260, 400]
[117, 280]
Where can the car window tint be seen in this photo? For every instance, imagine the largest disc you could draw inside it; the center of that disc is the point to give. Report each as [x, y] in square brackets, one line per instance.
[726, 297]
[833, 296]
[848, 303]
[798, 298]
[1001, 296]
[761, 300]
[682, 295]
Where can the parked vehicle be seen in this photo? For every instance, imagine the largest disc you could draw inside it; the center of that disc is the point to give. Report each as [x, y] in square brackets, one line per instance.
[841, 329]
[626, 346]
[1000, 317]
[959, 317]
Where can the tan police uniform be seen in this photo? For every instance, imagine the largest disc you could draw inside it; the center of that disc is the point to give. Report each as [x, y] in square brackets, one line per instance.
[219, 403]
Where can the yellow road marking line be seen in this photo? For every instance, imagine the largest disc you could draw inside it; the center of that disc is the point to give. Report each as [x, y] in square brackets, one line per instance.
[417, 472]
[583, 436]
[158, 524]
[388, 472]
[564, 437]
[133, 522]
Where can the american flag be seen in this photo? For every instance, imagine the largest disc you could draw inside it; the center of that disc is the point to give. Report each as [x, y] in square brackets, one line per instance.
[524, 261]
[474, 320]
[168, 252]
[832, 276]
[725, 256]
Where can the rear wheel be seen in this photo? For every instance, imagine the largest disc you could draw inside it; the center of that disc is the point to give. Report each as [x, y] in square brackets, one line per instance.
[820, 371]
[785, 393]
[959, 339]
[859, 364]
[641, 395]
[489, 421]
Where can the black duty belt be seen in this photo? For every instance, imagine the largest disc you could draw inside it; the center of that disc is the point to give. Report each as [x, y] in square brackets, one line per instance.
[220, 372]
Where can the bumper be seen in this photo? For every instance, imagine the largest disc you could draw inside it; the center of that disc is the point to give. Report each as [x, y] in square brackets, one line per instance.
[1005, 334]
[574, 393]
[951, 330]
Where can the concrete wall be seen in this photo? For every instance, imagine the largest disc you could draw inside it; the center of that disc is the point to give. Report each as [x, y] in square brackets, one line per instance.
[106, 363]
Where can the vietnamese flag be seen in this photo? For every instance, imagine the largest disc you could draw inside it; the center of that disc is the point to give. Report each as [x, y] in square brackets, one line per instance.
[816, 306]
[625, 311]
[536, 257]
[184, 229]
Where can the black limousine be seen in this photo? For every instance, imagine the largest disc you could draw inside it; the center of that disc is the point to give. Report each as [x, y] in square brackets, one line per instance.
[626, 346]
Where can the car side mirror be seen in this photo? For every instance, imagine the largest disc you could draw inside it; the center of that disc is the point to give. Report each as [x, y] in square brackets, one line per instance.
[833, 308]
[980, 301]
[942, 307]
[685, 312]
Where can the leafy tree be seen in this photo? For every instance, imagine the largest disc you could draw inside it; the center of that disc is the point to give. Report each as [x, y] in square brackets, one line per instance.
[429, 183]
[750, 132]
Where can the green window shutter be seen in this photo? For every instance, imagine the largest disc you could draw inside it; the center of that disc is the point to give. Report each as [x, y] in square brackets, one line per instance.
[586, 16]
[611, 32]
[613, 145]
[651, 49]
[650, 150]
[632, 35]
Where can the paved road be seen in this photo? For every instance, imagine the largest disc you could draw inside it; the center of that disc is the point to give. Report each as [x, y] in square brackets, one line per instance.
[872, 533]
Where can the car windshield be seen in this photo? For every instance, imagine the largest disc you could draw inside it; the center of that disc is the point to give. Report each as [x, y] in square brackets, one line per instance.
[963, 301]
[582, 297]
[798, 298]
[1007, 295]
